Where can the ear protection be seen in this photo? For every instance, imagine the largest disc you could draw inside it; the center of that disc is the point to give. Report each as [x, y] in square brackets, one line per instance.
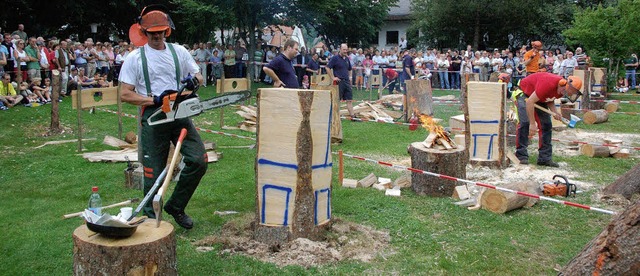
[562, 82]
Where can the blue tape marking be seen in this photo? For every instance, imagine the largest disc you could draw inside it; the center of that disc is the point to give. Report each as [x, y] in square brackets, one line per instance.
[264, 201]
[263, 161]
[475, 143]
[325, 190]
[484, 121]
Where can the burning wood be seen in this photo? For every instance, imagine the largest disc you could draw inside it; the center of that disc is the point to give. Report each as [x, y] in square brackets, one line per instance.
[438, 137]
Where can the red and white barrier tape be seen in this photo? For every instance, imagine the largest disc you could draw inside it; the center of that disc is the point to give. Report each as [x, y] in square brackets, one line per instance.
[573, 204]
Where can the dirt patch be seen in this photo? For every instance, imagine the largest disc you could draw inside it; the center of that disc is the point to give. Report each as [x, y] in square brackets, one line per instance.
[344, 241]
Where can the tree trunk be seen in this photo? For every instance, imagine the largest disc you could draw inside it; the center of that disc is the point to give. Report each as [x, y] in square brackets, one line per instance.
[419, 98]
[293, 165]
[149, 251]
[55, 114]
[615, 251]
[447, 162]
[626, 185]
[595, 117]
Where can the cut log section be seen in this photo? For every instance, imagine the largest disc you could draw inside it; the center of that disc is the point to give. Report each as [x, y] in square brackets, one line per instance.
[419, 98]
[349, 183]
[595, 116]
[403, 181]
[611, 107]
[149, 251]
[447, 162]
[368, 181]
[595, 151]
[501, 202]
[627, 185]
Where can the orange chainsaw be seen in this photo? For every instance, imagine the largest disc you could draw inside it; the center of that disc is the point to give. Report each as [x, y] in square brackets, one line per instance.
[559, 186]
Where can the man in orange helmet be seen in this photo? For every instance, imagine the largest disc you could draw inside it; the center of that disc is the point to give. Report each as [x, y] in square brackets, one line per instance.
[532, 58]
[148, 74]
[541, 89]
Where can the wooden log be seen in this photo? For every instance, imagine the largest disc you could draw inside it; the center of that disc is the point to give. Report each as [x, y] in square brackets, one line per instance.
[595, 117]
[614, 251]
[419, 98]
[597, 102]
[336, 123]
[485, 131]
[501, 202]
[626, 185]
[293, 165]
[149, 251]
[402, 182]
[368, 181]
[447, 162]
[611, 107]
[622, 154]
[595, 151]
[349, 183]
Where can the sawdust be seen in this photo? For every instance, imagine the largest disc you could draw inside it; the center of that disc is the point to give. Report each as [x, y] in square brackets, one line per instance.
[344, 241]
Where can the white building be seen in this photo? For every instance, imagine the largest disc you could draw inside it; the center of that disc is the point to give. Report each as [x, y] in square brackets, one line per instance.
[395, 25]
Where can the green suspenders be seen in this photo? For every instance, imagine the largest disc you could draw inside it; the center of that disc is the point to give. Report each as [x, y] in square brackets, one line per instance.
[145, 68]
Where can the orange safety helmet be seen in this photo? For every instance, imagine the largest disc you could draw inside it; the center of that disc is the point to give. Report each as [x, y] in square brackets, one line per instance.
[504, 77]
[153, 18]
[536, 44]
[575, 82]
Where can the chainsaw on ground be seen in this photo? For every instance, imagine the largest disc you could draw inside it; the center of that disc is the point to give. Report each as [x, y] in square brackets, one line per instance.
[559, 186]
[178, 105]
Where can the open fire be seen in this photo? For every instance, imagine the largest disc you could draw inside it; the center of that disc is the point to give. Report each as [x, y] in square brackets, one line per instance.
[438, 137]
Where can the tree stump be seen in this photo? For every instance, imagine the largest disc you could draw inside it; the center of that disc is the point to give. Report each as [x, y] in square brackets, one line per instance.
[615, 251]
[595, 117]
[626, 185]
[149, 251]
[336, 123]
[446, 162]
[419, 98]
[293, 165]
[501, 202]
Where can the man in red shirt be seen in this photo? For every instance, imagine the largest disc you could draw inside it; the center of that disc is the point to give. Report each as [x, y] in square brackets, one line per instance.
[541, 89]
[392, 77]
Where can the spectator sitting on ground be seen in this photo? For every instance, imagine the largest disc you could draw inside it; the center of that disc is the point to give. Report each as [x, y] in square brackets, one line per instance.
[8, 94]
[28, 95]
[621, 85]
[83, 80]
[43, 94]
[101, 80]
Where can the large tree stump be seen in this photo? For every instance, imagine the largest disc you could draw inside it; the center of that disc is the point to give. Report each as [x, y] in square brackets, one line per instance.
[419, 98]
[595, 117]
[447, 162]
[626, 185]
[501, 202]
[615, 251]
[293, 164]
[336, 123]
[149, 251]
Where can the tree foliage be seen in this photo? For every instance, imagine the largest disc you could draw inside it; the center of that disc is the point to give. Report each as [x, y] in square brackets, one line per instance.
[490, 23]
[607, 32]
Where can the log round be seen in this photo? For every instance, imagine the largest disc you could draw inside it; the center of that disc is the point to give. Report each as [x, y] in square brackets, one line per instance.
[446, 162]
[501, 202]
[595, 151]
[595, 116]
[611, 107]
[149, 251]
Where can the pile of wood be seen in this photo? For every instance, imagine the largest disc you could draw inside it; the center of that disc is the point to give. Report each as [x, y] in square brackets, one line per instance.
[495, 201]
[438, 137]
[375, 111]
[391, 188]
[613, 149]
[249, 113]
[393, 101]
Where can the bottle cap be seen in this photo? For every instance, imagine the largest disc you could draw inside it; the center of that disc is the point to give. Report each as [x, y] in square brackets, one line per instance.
[94, 189]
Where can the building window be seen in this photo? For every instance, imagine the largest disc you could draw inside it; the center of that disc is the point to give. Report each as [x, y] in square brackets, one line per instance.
[392, 37]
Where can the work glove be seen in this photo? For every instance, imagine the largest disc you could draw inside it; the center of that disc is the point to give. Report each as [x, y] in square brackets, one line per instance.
[191, 83]
[157, 100]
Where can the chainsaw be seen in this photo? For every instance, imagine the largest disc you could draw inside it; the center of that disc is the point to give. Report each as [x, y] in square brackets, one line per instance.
[178, 105]
[560, 187]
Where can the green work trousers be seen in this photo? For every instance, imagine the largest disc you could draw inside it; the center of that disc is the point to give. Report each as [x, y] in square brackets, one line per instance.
[155, 142]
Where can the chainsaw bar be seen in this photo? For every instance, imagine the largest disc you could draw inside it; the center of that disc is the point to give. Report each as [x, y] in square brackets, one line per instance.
[224, 99]
[192, 106]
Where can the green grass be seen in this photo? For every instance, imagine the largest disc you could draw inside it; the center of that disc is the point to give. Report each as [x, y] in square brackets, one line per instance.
[430, 235]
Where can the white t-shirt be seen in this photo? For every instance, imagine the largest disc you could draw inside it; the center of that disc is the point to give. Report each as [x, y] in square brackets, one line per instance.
[162, 70]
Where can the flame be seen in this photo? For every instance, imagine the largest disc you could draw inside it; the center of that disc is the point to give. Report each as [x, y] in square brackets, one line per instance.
[429, 124]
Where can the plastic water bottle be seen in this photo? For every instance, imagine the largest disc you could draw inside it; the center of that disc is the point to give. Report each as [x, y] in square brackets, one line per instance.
[95, 202]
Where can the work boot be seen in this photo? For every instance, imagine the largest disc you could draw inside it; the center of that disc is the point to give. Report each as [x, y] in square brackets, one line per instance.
[548, 163]
[181, 219]
[524, 161]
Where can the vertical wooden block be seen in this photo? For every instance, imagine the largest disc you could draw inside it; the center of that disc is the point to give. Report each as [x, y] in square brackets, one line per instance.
[598, 80]
[583, 102]
[293, 164]
[419, 98]
[485, 131]
[336, 123]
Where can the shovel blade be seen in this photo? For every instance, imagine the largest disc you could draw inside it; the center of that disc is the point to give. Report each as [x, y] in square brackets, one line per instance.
[157, 209]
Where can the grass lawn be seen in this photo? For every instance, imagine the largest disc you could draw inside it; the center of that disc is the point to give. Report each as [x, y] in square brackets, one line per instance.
[430, 235]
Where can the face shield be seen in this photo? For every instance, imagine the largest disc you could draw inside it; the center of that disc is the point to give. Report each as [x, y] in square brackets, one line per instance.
[572, 97]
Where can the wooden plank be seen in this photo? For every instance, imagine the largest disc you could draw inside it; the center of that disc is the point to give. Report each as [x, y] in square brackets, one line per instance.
[95, 97]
